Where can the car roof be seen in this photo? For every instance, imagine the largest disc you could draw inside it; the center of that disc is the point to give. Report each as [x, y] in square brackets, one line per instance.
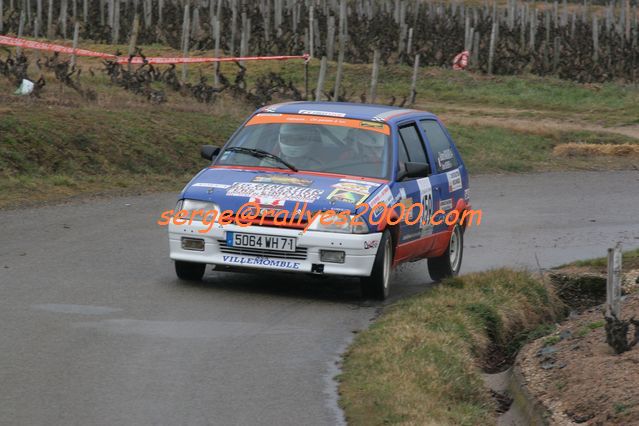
[372, 112]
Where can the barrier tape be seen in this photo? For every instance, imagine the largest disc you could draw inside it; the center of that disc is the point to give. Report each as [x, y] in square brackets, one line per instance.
[29, 44]
[162, 60]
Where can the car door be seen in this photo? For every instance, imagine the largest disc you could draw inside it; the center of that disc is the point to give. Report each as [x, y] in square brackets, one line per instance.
[446, 178]
[415, 229]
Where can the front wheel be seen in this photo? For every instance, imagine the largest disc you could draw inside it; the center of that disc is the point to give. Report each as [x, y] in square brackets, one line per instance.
[189, 271]
[449, 263]
[377, 286]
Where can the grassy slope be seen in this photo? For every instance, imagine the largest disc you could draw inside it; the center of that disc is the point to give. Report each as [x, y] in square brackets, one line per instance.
[420, 362]
[62, 145]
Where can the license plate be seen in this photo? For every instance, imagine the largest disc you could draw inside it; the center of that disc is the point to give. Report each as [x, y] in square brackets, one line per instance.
[267, 242]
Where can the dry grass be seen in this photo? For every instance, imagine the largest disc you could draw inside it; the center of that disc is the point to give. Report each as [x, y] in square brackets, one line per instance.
[591, 149]
[420, 363]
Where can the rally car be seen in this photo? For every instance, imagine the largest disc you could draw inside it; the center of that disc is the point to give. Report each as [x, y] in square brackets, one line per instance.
[308, 157]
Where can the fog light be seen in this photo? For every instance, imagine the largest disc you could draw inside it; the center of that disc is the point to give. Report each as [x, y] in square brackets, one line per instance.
[332, 256]
[196, 244]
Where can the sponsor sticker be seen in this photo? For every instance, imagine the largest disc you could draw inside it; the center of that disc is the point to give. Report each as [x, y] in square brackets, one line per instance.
[444, 158]
[446, 204]
[211, 185]
[267, 202]
[374, 124]
[370, 244]
[426, 198]
[467, 194]
[358, 187]
[454, 180]
[347, 196]
[282, 180]
[261, 261]
[383, 196]
[274, 191]
[324, 113]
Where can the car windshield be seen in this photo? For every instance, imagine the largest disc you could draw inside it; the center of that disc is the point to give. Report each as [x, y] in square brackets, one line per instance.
[312, 143]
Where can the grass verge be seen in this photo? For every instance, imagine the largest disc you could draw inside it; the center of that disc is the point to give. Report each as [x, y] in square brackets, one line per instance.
[421, 361]
[629, 260]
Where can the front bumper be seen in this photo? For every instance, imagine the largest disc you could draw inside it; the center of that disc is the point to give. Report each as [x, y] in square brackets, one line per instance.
[359, 249]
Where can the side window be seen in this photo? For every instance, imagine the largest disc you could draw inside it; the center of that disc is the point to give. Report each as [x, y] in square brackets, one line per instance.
[444, 156]
[413, 143]
[403, 154]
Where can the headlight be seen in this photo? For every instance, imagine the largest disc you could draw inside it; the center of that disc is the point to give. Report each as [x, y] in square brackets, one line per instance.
[192, 206]
[335, 224]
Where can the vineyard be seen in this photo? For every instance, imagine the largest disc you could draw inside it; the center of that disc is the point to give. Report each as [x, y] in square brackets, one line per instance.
[579, 42]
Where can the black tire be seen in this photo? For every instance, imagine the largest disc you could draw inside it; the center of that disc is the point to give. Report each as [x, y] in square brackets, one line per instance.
[189, 271]
[377, 286]
[449, 263]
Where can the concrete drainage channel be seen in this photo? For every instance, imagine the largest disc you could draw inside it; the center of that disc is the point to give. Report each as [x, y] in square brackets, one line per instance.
[515, 404]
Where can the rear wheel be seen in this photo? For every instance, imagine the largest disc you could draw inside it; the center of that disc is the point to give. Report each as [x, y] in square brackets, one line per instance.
[449, 263]
[377, 286]
[189, 271]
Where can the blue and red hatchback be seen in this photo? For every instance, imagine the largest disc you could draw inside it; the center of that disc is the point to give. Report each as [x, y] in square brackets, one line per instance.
[294, 160]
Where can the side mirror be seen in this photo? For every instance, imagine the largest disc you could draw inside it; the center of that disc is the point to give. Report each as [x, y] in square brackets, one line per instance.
[209, 152]
[413, 170]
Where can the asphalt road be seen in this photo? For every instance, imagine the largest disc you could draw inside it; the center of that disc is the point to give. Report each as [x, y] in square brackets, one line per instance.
[96, 330]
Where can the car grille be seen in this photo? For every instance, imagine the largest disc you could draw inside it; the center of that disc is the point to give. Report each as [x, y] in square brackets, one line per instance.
[300, 253]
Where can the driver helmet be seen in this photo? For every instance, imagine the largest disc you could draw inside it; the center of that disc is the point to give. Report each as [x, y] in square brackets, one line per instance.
[295, 140]
[370, 145]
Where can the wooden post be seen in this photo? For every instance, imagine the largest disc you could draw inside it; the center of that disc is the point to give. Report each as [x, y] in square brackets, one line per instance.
[595, 38]
[342, 48]
[148, 13]
[627, 20]
[413, 84]
[613, 284]
[556, 55]
[266, 14]
[36, 34]
[278, 17]
[63, 17]
[533, 29]
[311, 36]
[50, 33]
[76, 35]
[116, 22]
[133, 41]
[233, 26]
[185, 39]
[218, 25]
[85, 10]
[320, 80]
[195, 23]
[330, 38]
[20, 30]
[493, 43]
[474, 55]
[38, 16]
[374, 76]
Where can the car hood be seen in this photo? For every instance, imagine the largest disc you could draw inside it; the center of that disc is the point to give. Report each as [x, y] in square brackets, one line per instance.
[230, 188]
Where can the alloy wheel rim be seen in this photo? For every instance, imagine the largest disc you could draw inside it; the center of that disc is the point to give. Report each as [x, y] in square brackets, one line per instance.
[454, 250]
[387, 261]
